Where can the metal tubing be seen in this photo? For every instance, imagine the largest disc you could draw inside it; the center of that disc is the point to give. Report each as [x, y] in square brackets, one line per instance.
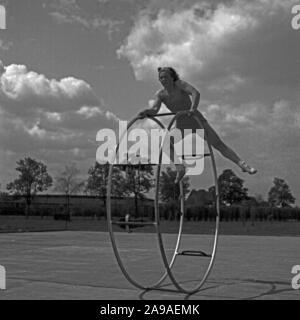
[111, 222]
[156, 223]
[163, 253]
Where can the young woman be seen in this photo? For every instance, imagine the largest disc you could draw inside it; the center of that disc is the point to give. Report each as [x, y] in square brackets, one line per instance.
[179, 95]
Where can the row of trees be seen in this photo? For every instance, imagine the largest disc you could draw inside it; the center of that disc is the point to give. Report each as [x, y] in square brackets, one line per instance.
[232, 191]
[34, 178]
[138, 180]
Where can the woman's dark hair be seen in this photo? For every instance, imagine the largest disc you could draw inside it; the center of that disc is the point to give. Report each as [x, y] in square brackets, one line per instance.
[171, 71]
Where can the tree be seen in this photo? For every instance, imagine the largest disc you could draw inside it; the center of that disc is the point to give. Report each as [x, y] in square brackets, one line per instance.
[33, 178]
[138, 181]
[280, 194]
[97, 181]
[169, 191]
[69, 183]
[127, 179]
[231, 188]
[3, 195]
[261, 201]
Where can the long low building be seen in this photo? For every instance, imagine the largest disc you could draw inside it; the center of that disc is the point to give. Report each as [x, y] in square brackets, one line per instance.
[79, 205]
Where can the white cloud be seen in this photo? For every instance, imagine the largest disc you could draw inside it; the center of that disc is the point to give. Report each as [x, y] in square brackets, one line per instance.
[37, 113]
[218, 45]
[53, 116]
[24, 91]
[37, 131]
[171, 38]
[227, 83]
[89, 112]
[71, 12]
[4, 45]
[272, 119]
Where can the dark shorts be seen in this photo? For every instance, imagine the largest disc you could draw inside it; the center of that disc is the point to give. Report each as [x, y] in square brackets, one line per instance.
[189, 122]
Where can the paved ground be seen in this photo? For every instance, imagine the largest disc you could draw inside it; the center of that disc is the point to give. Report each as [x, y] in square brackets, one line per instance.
[81, 265]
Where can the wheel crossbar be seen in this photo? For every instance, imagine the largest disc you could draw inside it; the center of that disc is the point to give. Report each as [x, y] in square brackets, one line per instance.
[134, 223]
[194, 253]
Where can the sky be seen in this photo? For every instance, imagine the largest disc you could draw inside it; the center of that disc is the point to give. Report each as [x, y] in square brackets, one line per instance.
[69, 68]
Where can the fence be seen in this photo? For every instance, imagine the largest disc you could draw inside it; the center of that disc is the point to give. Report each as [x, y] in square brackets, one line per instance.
[241, 213]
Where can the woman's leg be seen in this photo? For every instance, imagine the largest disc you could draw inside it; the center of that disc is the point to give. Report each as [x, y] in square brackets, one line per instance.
[226, 151]
[218, 144]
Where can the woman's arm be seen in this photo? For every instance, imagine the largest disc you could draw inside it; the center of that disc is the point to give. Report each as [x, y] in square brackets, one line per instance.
[193, 92]
[155, 108]
[157, 102]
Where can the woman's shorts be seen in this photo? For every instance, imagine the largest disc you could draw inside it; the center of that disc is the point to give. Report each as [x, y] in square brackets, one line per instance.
[189, 122]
